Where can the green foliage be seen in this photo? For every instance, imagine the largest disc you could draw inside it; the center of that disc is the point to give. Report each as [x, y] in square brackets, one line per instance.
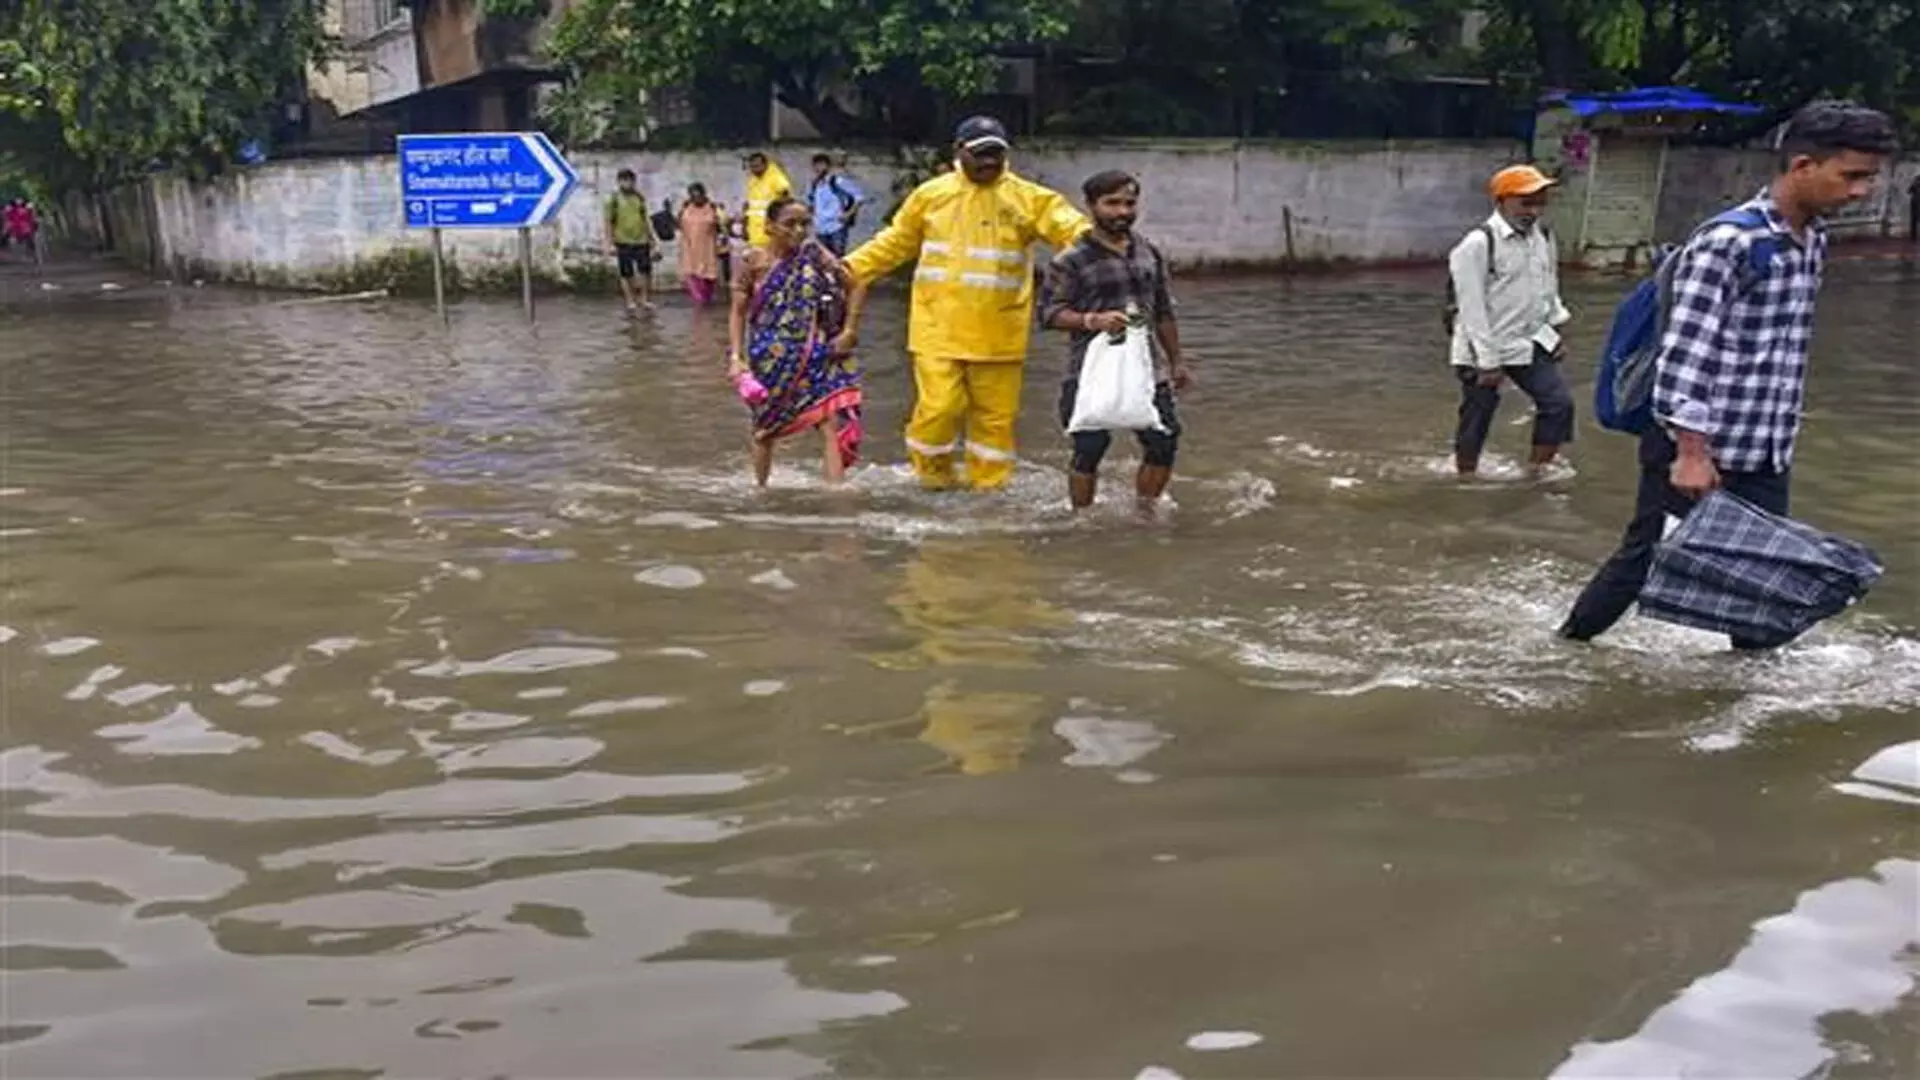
[21, 81]
[1244, 67]
[1781, 53]
[1134, 107]
[125, 85]
[621, 49]
[514, 9]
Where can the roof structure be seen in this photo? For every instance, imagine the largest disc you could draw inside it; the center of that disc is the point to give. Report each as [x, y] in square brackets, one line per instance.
[1650, 99]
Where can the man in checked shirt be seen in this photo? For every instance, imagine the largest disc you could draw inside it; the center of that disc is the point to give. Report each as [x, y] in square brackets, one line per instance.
[1732, 368]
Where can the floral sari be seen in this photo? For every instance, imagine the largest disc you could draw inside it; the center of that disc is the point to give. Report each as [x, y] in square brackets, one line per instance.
[792, 319]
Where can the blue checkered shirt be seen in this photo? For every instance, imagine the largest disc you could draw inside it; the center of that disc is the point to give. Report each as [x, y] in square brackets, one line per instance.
[1733, 363]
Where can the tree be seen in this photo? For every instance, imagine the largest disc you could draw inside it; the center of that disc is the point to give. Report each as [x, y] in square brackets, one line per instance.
[125, 85]
[1241, 67]
[1781, 53]
[622, 49]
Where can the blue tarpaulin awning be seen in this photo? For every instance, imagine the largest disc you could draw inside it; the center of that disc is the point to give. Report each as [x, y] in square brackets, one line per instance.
[1652, 99]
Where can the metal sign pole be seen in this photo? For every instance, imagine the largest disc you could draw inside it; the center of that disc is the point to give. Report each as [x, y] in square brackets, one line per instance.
[526, 270]
[439, 280]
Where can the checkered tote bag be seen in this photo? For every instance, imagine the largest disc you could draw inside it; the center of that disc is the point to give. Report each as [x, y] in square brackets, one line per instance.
[1732, 567]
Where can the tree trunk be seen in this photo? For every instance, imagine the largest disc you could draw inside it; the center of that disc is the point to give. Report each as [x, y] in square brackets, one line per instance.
[1653, 50]
[827, 117]
[1554, 41]
[821, 109]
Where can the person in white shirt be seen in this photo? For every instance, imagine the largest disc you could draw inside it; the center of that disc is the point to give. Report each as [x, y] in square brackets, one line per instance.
[1506, 314]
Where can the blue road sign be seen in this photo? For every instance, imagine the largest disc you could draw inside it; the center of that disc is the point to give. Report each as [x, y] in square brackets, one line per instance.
[483, 180]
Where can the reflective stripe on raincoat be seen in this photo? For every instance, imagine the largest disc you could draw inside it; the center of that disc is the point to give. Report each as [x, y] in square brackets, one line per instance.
[973, 290]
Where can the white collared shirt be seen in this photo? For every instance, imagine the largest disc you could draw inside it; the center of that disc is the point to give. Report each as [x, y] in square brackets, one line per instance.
[1503, 315]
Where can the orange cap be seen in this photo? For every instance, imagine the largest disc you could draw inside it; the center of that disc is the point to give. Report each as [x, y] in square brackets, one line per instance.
[1519, 180]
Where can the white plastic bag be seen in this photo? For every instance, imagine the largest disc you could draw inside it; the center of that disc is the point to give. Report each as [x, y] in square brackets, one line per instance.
[1116, 386]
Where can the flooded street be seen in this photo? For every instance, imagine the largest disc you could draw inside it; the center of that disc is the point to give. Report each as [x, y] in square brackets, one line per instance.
[385, 699]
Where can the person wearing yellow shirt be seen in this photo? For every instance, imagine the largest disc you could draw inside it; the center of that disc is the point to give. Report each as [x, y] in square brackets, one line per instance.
[766, 181]
[972, 230]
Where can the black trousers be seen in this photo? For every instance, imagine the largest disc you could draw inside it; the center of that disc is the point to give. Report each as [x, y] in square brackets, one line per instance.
[1158, 449]
[1540, 380]
[1618, 583]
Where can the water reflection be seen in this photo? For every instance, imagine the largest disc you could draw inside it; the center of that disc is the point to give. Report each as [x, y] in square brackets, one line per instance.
[1846, 947]
[448, 702]
[972, 605]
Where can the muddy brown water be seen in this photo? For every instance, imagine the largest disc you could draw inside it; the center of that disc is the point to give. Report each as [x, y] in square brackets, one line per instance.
[389, 700]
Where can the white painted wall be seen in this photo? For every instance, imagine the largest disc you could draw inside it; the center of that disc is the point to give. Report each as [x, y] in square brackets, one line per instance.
[1206, 203]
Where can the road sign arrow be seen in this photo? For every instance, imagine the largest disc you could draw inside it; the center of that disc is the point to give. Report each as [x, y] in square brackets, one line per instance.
[561, 177]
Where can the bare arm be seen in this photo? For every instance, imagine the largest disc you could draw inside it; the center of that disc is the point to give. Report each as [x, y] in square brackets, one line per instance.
[1168, 331]
[748, 278]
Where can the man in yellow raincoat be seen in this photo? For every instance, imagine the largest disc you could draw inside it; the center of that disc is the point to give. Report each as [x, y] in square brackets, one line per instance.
[766, 181]
[972, 231]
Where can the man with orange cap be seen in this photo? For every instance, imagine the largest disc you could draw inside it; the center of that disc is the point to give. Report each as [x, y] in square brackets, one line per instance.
[1505, 314]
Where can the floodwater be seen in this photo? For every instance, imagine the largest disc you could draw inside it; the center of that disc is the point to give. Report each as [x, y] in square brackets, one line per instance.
[385, 699]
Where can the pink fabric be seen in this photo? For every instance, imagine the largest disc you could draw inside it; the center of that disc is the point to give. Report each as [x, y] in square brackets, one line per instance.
[701, 290]
[749, 388]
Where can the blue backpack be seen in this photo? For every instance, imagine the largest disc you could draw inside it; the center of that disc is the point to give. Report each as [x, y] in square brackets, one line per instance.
[1623, 388]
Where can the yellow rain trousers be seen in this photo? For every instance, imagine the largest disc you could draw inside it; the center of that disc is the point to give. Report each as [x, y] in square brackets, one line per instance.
[761, 191]
[972, 312]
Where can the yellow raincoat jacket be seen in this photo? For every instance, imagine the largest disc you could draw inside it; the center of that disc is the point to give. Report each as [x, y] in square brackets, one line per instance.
[761, 191]
[973, 291]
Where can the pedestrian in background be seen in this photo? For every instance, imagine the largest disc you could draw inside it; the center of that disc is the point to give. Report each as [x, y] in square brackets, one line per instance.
[700, 239]
[21, 223]
[766, 181]
[1730, 376]
[630, 239]
[836, 200]
[1506, 312]
[732, 238]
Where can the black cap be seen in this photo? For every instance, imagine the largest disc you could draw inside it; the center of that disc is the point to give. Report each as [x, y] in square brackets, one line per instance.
[980, 132]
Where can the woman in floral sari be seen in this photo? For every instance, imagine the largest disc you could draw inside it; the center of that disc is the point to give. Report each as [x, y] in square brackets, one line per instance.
[789, 306]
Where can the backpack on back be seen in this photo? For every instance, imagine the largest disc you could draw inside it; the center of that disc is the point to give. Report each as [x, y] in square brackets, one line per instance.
[849, 205]
[1623, 386]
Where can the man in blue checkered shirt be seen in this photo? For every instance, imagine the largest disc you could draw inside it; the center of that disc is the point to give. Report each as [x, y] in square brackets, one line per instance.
[1732, 368]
